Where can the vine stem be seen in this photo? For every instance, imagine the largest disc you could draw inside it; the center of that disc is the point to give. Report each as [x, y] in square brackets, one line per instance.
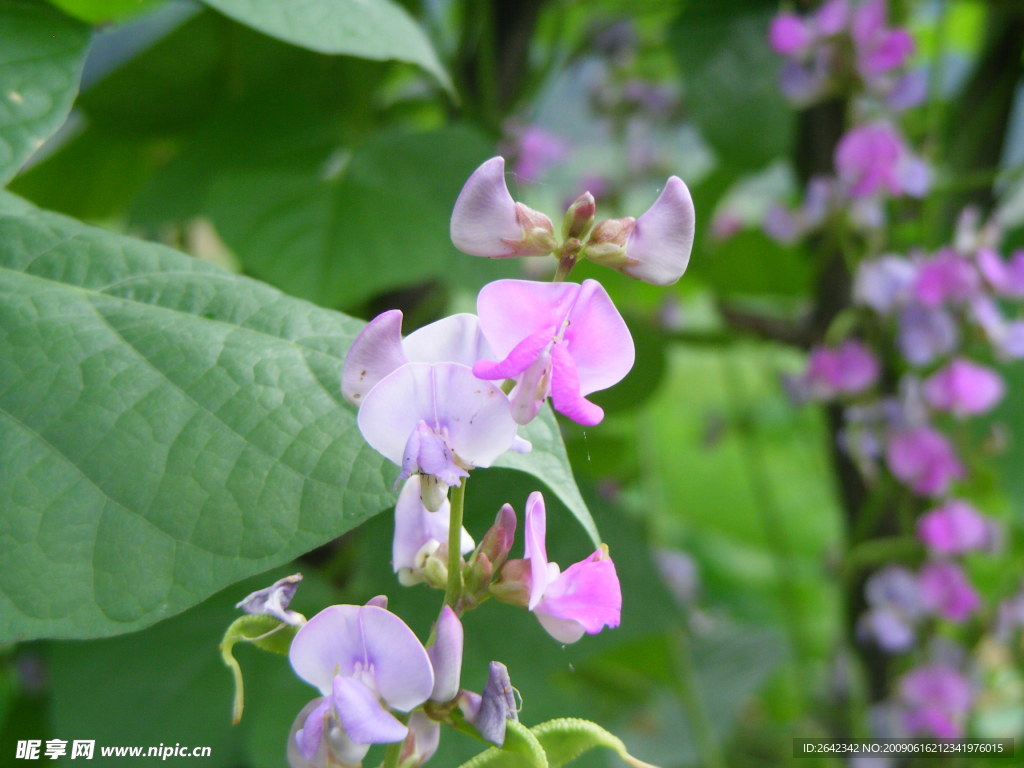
[453, 590]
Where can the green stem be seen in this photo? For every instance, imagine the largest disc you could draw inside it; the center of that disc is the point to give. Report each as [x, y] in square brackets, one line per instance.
[707, 745]
[453, 591]
[392, 755]
[565, 265]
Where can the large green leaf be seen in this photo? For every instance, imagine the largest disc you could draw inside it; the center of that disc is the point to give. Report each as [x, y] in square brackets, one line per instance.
[104, 11]
[41, 54]
[168, 428]
[356, 223]
[369, 29]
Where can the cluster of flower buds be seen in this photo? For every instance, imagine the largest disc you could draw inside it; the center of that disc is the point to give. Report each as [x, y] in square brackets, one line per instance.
[654, 248]
[439, 403]
[844, 46]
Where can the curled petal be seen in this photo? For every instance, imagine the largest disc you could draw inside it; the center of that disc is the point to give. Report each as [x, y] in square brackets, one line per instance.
[376, 352]
[314, 717]
[565, 390]
[427, 452]
[362, 716]
[587, 595]
[535, 530]
[484, 220]
[658, 248]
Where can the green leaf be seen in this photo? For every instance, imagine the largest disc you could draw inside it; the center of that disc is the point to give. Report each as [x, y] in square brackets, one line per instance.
[369, 29]
[730, 75]
[520, 750]
[266, 633]
[379, 212]
[104, 11]
[41, 55]
[168, 428]
[567, 738]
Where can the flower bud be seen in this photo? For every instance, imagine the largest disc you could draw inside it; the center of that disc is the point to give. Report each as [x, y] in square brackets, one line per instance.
[513, 583]
[607, 243]
[274, 601]
[489, 712]
[446, 656]
[579, 217]
[497, 542]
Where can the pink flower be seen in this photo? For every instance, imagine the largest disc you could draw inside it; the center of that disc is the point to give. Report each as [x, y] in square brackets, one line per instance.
[954, 528]
[562, 339]
[923, 459]
[537, 150]
[848, 369]
[879, 48]
[789, 35]
[936, 700]
[487, 222]
[654, 248]
[873, 158]
[946, 591]
[946, 278]
[584, 598]
[964, 388]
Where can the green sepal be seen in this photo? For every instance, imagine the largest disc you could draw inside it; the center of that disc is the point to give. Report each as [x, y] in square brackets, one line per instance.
[520, 750]
[264, 632]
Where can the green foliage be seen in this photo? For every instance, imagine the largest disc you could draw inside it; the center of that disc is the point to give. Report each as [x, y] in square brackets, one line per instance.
[104, 11]
[264, 632]
[41, 54]
[730, 78]
[370, 29]
[171, 428]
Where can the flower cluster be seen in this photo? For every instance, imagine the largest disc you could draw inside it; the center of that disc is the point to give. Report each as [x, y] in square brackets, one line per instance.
[439, 403]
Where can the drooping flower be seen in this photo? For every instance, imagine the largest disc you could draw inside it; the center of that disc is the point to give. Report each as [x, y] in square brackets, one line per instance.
[923, 459]
[274, 601]
[945, 590]
[848, 369]
[562, 339]
[954, 528]
[936, 699]
[437, 420]
[964, 388]
[420, 548]
[655, 247]
[365, 661]
[487, 222]
[585, 598]
[873, 158]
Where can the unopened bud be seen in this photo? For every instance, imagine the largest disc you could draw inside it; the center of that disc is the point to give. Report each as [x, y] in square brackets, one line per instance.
[579, 217]
[478, 579]
[513, 583]
[607, 243]
[497, 542]
[538, 233]
[446, 656]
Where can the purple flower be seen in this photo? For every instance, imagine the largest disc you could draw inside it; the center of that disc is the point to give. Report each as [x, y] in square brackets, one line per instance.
[873, 158]
[1007, 278]
[964, 388]
[420, 548]
[888, 629]
[536, 151]
[946, 591]
[380, 349]
[1007, 337]
[926, 334]
[848, 369]
[923, 459]
[274, 601]
[908, 91]
[437, 420]
[487, 222]
[789, 35]
[566, 339]
[954, 528]
[884, 284]
[895, 604]
[584, 598]
[879, 48]
[654, 248]
[365, 661]
[421, 742]
[446, 656]
[947, 278]
[936, 699]
[804, 82]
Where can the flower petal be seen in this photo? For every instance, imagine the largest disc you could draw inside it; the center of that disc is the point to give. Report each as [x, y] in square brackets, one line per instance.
[453, 339]
[587, 592]
[362, 716]
[512, 310]
[313, 717]
[415, 525]
[658, 248]
[598, 338]
[401, 667]
[534, 531]
[565, 390]
[522, 356]
[446, 656]
[484, 220]
[376, 352]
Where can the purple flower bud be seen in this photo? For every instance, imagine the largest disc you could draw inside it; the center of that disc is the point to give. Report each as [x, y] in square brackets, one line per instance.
[497, 542]
[848, 369]
[488, 713]
[446, 656]
[964, 388]
[789, 35]
[936, 699]
[923, 459]
[422, 741]
[274, 601]
[487, 222]
[946, 591]
[954, 528]
[805, 82]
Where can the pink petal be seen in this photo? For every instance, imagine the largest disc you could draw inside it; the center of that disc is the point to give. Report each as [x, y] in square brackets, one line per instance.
[533, 386]
[565, 390]
[534, 530]
[954, 528]
[587, 593]
[512, 310]
[830, 18]
[376, 352]
[788, 34]
[964, 388]
[484, 219]
[598, 339]
[522, 356]
[658, 248]
[361, 715]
